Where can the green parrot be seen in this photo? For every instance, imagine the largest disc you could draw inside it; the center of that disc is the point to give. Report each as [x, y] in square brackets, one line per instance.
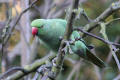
[50, 31]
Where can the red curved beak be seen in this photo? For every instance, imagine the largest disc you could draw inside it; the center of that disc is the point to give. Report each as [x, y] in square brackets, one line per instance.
[34, 31]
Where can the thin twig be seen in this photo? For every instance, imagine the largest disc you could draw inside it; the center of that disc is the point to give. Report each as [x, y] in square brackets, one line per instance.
[61, 59]
[75, 68]
[30, 68]
[85, 16]
[58, 61]
[103, 16]
[109, 57]
[19, 17]
[92, 35]
[4, 34]
[113, 49]
[109, 22]
[13, 69]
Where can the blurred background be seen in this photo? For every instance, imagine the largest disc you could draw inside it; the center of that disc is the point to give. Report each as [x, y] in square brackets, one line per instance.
[22, 49]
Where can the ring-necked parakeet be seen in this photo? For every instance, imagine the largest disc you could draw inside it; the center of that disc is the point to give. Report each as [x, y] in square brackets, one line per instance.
[50, 31]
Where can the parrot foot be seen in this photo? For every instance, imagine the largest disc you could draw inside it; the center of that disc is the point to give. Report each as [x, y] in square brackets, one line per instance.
[44, 68]
[41, 70]
[67, 47]
[54, 62]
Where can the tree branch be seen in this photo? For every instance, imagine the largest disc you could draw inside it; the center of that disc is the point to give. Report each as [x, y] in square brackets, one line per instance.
[113, 49]
[29, 68]
[13, 69]
[109, 22]
[92, 35]
[19, 17]
[113, 7]
[58, 61]
[74, 69]
[57, 64]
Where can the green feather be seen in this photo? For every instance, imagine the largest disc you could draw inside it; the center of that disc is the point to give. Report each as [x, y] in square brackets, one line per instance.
[50, 31]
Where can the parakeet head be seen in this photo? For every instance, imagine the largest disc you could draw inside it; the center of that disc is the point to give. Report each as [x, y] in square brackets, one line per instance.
[36, 26]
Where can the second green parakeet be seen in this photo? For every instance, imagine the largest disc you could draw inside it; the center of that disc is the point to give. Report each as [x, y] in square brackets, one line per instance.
[50, 31]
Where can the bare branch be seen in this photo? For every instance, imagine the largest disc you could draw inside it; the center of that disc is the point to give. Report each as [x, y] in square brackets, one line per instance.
[30, 68]
[19, 17]
[13, 69]
[92, 35]
[75, 68]
[113, 49]
[58, 61]
[109, 22]
[113, 7]
[56, 68]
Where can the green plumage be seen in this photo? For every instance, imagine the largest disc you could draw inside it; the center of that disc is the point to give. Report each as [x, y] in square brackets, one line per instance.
[50, 31]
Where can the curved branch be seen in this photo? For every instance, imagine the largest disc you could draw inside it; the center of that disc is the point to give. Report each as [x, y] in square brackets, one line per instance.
[109, 22]
[58, 61]
[113, 7]
[29, 68]
[13, 69]
[19, 17]
[92, 35]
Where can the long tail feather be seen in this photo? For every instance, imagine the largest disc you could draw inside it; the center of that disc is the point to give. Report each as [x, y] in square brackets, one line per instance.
[94, 59]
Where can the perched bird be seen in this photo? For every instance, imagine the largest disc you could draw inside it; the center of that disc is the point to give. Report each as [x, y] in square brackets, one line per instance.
[50, 31]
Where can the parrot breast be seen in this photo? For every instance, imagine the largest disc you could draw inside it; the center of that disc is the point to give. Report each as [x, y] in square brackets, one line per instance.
[51, 32]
